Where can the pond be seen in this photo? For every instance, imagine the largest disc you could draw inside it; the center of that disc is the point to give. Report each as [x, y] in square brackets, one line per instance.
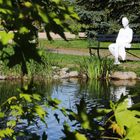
[70, 91]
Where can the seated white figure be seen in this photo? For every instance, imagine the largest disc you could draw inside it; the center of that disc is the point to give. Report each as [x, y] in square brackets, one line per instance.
[123, 41]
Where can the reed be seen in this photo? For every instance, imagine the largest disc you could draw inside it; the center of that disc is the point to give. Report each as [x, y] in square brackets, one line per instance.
[96, 68]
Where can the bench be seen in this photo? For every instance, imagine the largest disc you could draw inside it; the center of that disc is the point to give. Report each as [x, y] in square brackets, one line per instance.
[110, 38]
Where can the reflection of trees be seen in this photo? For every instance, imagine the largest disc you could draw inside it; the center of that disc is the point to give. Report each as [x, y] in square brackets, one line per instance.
[8, 89]
[102, 91]
[95, 89]
[43, 87]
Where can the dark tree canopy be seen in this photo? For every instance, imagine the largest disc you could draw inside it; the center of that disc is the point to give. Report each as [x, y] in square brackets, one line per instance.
[21, 20]
[104, 16]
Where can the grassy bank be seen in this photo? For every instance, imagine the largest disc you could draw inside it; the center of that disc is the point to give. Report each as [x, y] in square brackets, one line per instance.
[64, 60]
[133, 64]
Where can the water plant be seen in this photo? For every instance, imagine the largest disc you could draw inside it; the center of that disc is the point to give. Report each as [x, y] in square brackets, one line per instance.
[96, 68]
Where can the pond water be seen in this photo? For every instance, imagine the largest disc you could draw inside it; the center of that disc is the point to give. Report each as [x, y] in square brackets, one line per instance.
[70, 91]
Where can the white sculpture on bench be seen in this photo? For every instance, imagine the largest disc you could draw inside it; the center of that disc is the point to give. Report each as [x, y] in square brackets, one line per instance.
[123, 41]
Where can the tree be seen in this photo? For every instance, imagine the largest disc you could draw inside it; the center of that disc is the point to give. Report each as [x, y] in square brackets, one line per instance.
[101, 16]
[19, 20]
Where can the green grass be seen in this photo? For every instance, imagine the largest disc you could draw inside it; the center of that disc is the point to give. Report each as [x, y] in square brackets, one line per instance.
[79, 43]
[130, 66]
[83, 44]
[72, 61]
[66, 59]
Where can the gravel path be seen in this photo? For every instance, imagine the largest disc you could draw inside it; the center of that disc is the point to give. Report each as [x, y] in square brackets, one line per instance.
[82, 52]
[85, 52]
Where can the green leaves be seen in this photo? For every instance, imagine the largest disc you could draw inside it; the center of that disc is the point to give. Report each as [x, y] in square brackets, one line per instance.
[28, 4]
[40, 111]
[11, 123]
[26, 109]
[6, 132]
[42, 13]
[23, 30]
[21, 21]
[127, 121]
[119, 122]
[73, 135]
[27, 97]
[79, 136]
[5, 37]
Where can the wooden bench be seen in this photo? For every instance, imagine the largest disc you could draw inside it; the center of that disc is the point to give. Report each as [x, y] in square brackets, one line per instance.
[110, 38]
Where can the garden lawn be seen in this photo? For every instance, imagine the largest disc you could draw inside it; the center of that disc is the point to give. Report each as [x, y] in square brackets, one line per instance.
[79, 43]
[66, 59]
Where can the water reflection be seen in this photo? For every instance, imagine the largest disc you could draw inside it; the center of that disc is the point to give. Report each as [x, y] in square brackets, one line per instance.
[8, 89]
[70, 91]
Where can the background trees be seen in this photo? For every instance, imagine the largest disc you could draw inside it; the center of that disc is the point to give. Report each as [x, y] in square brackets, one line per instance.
[99, 16]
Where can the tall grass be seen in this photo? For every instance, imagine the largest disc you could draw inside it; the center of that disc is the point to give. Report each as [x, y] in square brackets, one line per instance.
[95, 68]
[44, 69]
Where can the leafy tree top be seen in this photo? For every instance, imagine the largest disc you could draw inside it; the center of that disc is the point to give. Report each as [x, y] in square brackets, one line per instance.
[21, 20]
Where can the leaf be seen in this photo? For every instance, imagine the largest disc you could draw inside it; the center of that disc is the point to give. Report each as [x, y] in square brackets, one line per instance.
[133, 133]
[79, 136]
[16, 110]
[57, 21]
[6, 132]
[127, 119]
[116, 128]
[85, 121]
[56, 1]
[11, 99]
[42, 14]
[28, 4]
[1, 114]
[11, 123]
[23, 30]
[26, 97]
[6, 37]
[40, 111]
[37, 97]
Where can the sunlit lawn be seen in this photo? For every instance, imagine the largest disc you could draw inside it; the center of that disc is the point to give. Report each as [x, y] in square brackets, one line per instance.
[83, 44]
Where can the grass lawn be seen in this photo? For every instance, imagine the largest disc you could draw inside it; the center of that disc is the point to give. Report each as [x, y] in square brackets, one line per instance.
[82, 44]
[79, 44]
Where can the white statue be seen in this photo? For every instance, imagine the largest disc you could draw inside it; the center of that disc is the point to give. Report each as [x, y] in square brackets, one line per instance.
[123, 41]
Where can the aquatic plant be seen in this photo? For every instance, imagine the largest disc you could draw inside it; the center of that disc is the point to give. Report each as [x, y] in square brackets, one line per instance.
[96, 68]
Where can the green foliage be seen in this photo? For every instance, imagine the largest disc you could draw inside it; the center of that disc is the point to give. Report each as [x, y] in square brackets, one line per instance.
[87, 121]
[118, 122]
[19, 19]
[126, 128]
[27, 107]
[100, 17]
[95, 68]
